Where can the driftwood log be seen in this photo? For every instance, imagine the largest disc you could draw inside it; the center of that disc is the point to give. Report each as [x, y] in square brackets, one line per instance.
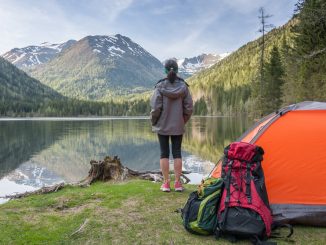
[43, 190]
[106, 170]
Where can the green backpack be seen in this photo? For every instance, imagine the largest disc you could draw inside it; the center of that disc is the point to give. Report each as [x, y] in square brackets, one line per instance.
[199, 214]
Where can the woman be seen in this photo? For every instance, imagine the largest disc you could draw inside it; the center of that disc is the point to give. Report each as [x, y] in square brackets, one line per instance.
[172, 107]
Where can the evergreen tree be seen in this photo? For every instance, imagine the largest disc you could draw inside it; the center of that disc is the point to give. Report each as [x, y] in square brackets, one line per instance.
[289, 87]
[274, 72]
[307, 74]
[256, 109]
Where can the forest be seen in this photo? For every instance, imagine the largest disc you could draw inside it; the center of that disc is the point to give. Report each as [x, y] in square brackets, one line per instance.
[72, 107]
[293, 69]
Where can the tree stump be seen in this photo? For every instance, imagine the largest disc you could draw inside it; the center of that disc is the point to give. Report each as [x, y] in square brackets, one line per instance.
[106, 170]
[112, 169]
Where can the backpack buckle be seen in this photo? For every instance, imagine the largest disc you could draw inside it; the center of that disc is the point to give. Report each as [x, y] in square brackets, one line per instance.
[249, 200]
[227, 199]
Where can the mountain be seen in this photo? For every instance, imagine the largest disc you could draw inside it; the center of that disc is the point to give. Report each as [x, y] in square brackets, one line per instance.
[35, 55]
[191, 66]
[17, 87]
[101, 67]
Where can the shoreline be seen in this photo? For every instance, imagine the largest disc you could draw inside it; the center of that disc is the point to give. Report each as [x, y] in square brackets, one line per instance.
[72, 118]
[90, 118]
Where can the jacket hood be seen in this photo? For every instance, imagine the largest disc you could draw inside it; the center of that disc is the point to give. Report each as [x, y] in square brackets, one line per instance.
[172, 90]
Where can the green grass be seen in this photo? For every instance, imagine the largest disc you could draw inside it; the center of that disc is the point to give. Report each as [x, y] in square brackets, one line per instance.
[133, 212]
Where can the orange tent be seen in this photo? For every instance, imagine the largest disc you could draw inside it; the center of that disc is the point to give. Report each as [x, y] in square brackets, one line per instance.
[294, 141]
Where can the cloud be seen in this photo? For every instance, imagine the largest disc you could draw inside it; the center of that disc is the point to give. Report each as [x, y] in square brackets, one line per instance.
[165, 28]
[193, 28]
[163, 10]
[29, 22]
[109, 10]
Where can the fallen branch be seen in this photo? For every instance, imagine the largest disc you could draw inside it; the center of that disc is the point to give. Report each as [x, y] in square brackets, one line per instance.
[43, 190]
[80, 228]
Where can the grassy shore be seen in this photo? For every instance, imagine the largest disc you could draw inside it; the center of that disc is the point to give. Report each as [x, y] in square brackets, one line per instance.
[133, 212]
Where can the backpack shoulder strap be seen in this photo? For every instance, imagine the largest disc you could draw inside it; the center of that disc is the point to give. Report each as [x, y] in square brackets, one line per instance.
[160, 81]
[183, 81]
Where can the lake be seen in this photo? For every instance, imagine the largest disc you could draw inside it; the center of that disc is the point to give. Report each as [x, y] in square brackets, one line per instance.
[45, 151]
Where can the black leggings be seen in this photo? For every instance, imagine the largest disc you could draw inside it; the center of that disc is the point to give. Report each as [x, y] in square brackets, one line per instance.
[176, 145]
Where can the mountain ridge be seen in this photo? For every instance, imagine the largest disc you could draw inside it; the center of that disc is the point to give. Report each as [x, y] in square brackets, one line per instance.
[34, 55]
[193, 65]
[101, 67]
[17, 89]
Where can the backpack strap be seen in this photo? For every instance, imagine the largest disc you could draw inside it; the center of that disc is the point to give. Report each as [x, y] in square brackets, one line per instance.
[160, 81]
[227, 183]
[183, 81]
[278, 226]
[248, 181]
[166, 79]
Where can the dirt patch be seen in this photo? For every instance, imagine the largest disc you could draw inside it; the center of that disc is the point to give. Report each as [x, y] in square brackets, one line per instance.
[131, 203]
[129, 212]
[31, 218]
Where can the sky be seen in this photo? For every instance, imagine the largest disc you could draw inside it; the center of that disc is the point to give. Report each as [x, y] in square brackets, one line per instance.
[165, 28]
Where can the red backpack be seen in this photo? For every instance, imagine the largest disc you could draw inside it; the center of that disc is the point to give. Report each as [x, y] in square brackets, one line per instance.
[244, 210]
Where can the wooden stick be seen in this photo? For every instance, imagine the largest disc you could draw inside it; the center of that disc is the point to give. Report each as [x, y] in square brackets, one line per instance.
[80, 228]
[186, 178]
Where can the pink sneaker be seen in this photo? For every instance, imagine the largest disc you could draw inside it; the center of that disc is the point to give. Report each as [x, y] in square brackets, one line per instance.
[165, 187]
[178, 186]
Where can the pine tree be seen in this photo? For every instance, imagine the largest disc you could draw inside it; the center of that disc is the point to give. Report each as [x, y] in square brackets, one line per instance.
[289, 86]
[274, 72]
[259, 82]
[307, 74]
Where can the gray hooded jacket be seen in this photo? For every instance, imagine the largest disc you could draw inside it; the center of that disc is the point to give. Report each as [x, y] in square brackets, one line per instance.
[171, 106]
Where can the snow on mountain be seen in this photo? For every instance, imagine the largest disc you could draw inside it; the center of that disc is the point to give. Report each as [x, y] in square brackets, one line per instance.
[190, 66]
[224, 55]
[117, 45]
[35, 55]
[99, 67]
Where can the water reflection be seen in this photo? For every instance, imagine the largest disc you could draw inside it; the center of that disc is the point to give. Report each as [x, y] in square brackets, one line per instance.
[21, 139]
[37, 153]
[207, 136]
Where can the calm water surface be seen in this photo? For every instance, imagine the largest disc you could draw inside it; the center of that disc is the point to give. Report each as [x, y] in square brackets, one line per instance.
[42, 152]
